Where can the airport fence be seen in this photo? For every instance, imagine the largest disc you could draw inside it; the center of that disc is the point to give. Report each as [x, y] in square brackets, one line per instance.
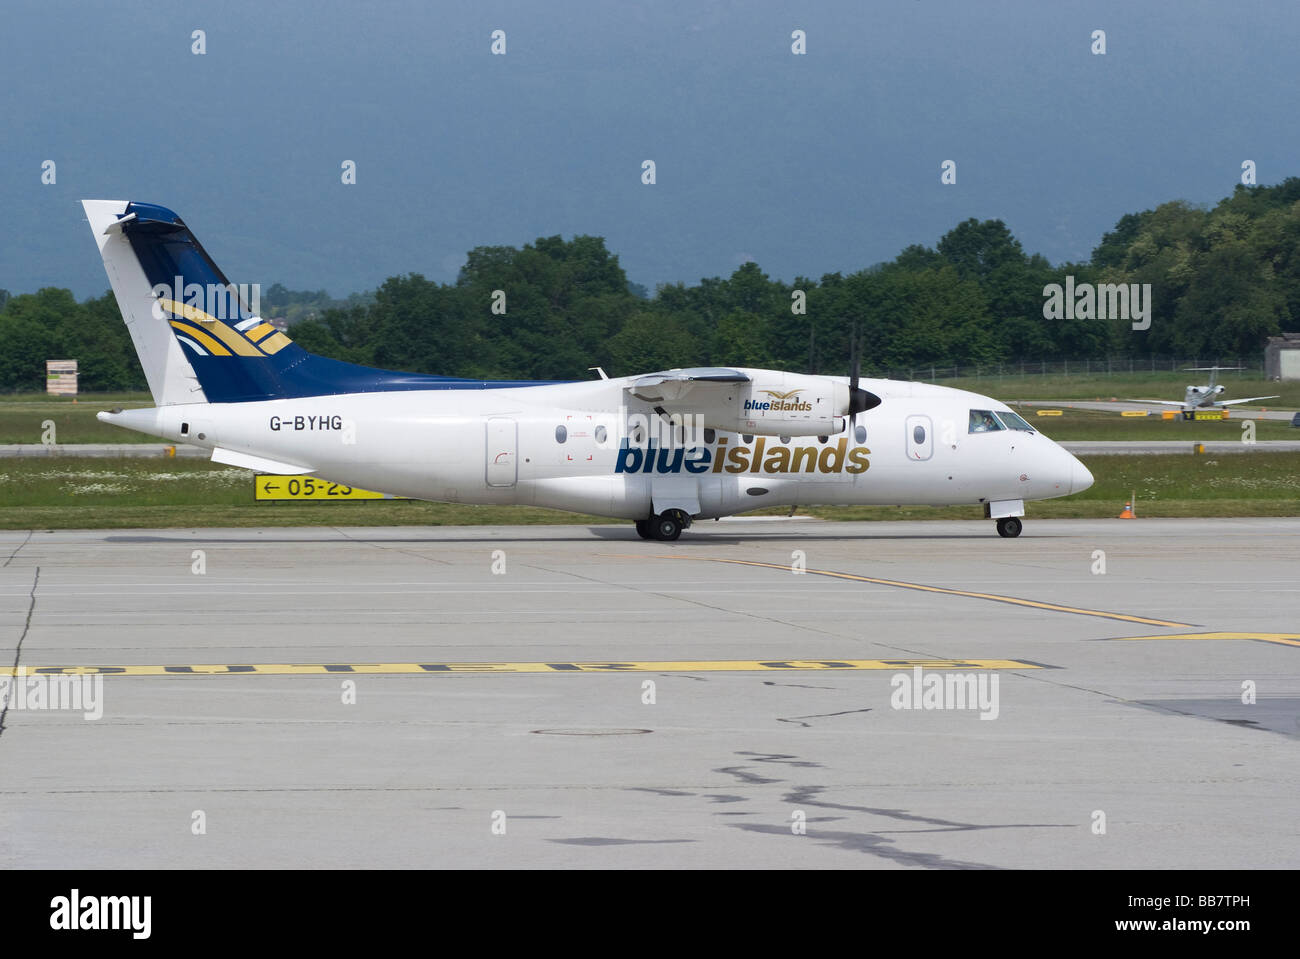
[1250, 368]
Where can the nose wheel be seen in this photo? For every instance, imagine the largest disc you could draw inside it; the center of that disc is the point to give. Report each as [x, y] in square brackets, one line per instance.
[1010, 527]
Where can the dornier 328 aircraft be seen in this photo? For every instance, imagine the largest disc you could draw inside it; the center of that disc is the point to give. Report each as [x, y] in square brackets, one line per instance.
[661, 449]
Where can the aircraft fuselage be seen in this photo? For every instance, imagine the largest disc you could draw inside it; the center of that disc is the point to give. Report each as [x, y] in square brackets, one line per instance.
[587, 447]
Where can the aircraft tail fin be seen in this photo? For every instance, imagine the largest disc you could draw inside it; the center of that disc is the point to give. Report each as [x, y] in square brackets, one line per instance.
[199, 337]
[171, 378]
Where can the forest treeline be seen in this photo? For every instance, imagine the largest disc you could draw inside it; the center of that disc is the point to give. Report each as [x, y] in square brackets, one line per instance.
[1221, 279]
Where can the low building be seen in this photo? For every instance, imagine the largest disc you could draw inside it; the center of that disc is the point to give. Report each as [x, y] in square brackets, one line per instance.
[1282, 357]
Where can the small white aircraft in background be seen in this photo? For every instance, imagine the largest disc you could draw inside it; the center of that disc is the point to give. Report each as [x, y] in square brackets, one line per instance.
[1203, 397]
[661, 449]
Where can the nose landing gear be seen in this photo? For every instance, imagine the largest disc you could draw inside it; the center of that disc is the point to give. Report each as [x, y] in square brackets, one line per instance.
[1010, 527]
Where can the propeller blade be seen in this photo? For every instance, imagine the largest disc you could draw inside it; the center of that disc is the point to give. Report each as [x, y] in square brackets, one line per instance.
[855, 373]
[860, 400]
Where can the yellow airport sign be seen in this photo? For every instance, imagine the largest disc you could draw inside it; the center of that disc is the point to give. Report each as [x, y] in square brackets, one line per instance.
[1051, 412]
[307, 488]
[1133, 413]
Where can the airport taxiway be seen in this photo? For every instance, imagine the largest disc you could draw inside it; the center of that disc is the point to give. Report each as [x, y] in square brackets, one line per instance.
[1238, 413]
[502, 717]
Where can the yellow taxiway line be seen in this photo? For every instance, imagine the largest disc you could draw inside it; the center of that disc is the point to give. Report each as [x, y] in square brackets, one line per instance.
[992, 597]
[688, 666]
[1282, 639]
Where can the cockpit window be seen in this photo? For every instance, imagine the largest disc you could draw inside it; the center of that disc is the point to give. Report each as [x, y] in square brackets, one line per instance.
[1014, 421]
[983, 421]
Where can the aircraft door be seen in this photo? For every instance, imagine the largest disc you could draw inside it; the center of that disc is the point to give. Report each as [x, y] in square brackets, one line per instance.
[920, 437]
[502, 451]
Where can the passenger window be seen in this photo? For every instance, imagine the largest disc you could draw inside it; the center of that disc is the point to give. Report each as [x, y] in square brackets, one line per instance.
[601, 433]
[561, 434]
[784, 439]
[710, 435]
[860, 434]
[983, 421]
[748, 437]
[918, 435]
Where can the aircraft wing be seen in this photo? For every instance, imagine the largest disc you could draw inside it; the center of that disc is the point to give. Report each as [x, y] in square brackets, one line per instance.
[672, 385]
[1248, 399]
[1179, 403]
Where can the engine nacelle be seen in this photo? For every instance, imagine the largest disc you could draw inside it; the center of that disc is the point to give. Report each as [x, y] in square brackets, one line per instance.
[783, 404]
[766, 402]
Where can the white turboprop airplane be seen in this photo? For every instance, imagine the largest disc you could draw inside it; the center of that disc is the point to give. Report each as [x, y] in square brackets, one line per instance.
[1203, 397]
[661, 449]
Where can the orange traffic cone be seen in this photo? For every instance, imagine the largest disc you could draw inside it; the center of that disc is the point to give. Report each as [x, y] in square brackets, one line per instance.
[1128, 511]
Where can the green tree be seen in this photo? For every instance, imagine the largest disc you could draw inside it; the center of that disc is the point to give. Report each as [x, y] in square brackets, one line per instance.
[649, 342]
[977, 248]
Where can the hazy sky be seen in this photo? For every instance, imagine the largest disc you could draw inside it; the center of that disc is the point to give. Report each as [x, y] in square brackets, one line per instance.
[807, 164]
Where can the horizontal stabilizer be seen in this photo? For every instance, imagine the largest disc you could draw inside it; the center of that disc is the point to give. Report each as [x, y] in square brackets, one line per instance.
[116, 225]
[259, 463]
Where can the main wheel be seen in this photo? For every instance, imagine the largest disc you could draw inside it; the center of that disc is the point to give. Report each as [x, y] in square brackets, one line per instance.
[1010, 526]
[667, 527]
[644, 530]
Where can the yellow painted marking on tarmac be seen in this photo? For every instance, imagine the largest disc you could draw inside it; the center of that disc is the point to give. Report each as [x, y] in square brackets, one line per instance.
[353, 669]
[994, 597]
[1282, 639]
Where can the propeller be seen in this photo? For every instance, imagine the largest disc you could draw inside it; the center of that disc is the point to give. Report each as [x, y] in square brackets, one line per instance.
[860, 400]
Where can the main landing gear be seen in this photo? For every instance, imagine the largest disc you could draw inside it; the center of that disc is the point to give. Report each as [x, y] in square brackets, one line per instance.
[667, 526]
[1010, 526]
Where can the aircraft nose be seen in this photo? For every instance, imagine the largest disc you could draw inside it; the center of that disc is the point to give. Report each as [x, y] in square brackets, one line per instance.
[1080, 477]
